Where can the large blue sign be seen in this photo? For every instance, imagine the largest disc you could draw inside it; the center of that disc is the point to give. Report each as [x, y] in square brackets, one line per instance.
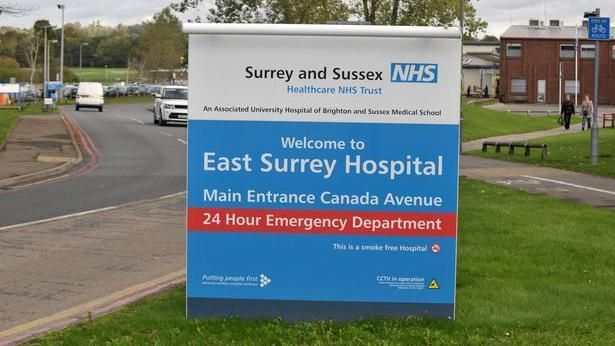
[321, 202]
[599, 28]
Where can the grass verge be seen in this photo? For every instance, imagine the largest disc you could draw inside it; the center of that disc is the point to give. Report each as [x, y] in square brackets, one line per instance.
[568, 151]
[480, 122]
[532, 270]
[9, 116]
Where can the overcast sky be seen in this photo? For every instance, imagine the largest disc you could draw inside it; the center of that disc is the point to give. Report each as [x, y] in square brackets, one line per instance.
[500, 14]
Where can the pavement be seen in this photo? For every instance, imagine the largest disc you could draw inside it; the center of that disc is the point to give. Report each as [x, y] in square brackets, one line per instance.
[52, 266]
[521, 137]
[38, 146]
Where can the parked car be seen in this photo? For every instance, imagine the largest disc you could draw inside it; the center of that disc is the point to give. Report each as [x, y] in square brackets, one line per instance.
[153, 90]
[171, 104]
[90, 95]
[70, 91]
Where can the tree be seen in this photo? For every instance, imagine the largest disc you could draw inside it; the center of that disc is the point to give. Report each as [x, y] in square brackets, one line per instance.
[162, 43]
[490, 38]
[12, 9]
[9, 67]
[36, 43]
[240, 11]
[420, 12]
[306, 11]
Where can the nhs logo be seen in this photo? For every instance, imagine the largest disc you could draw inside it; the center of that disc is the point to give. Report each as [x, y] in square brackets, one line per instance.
[414, 73]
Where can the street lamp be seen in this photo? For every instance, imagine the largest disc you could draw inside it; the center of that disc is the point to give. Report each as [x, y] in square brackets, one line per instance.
[45, 53]
[81, 59]
[61, 7]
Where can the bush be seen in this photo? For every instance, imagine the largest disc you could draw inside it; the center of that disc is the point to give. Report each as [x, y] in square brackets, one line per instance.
[9, 67]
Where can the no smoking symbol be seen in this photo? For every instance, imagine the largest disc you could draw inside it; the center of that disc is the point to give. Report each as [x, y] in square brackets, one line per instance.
[435, 248]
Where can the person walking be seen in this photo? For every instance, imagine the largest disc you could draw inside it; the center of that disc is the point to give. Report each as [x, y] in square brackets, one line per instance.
[567, 112]
[587, 109]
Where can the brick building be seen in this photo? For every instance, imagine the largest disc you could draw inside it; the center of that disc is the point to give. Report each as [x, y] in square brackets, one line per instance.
[530, 62]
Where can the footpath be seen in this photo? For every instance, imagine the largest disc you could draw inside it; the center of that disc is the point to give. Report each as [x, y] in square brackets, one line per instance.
[57, 272]
[39, 147]
[559, 183]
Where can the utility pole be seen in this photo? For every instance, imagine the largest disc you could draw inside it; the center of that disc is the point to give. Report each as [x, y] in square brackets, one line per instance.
[61, 7]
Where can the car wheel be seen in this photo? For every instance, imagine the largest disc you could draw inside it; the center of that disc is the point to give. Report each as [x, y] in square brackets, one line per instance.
[162, 122]
[155, 120]
[77, 108]
[100, 109]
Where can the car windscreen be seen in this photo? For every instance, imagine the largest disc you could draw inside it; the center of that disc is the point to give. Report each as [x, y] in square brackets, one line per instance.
[181, 94]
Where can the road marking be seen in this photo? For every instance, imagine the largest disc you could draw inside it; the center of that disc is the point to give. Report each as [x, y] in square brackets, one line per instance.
[87, 212]
[182, 141]
[570, 184]
[166, 134]
[140, 122]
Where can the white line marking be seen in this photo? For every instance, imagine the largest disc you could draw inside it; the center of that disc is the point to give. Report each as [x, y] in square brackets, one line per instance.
[87, 212]
[133, 119]
[181, 140]
[570, 184]
[166, 134]
[140, 122]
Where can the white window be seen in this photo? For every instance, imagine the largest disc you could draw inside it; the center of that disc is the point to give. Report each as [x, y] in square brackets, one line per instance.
[588, 51]
[513, 50]
[570, 87]
[518, 86]
[566, 51]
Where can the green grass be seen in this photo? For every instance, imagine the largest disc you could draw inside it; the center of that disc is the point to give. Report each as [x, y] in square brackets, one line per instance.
[480, 122]
[98, 74]
[9, 116]
[567, 151]
[532, 270]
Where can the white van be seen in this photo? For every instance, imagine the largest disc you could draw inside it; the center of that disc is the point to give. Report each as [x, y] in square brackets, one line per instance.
[89, 95]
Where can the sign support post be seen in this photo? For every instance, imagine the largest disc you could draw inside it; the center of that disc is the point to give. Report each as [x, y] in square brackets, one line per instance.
[598, 30]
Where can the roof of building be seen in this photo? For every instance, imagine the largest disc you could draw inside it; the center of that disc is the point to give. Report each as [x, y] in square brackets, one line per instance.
[477, 61]
[547, 32]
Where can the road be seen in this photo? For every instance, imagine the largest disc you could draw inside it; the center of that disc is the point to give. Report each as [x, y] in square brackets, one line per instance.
[138, 160]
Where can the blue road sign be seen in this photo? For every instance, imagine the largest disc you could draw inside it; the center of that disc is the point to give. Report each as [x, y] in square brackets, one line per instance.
[599, 28]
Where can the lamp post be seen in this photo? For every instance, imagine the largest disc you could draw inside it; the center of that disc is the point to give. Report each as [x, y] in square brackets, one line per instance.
[45, 72]
[81, 59]
[61, 7]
